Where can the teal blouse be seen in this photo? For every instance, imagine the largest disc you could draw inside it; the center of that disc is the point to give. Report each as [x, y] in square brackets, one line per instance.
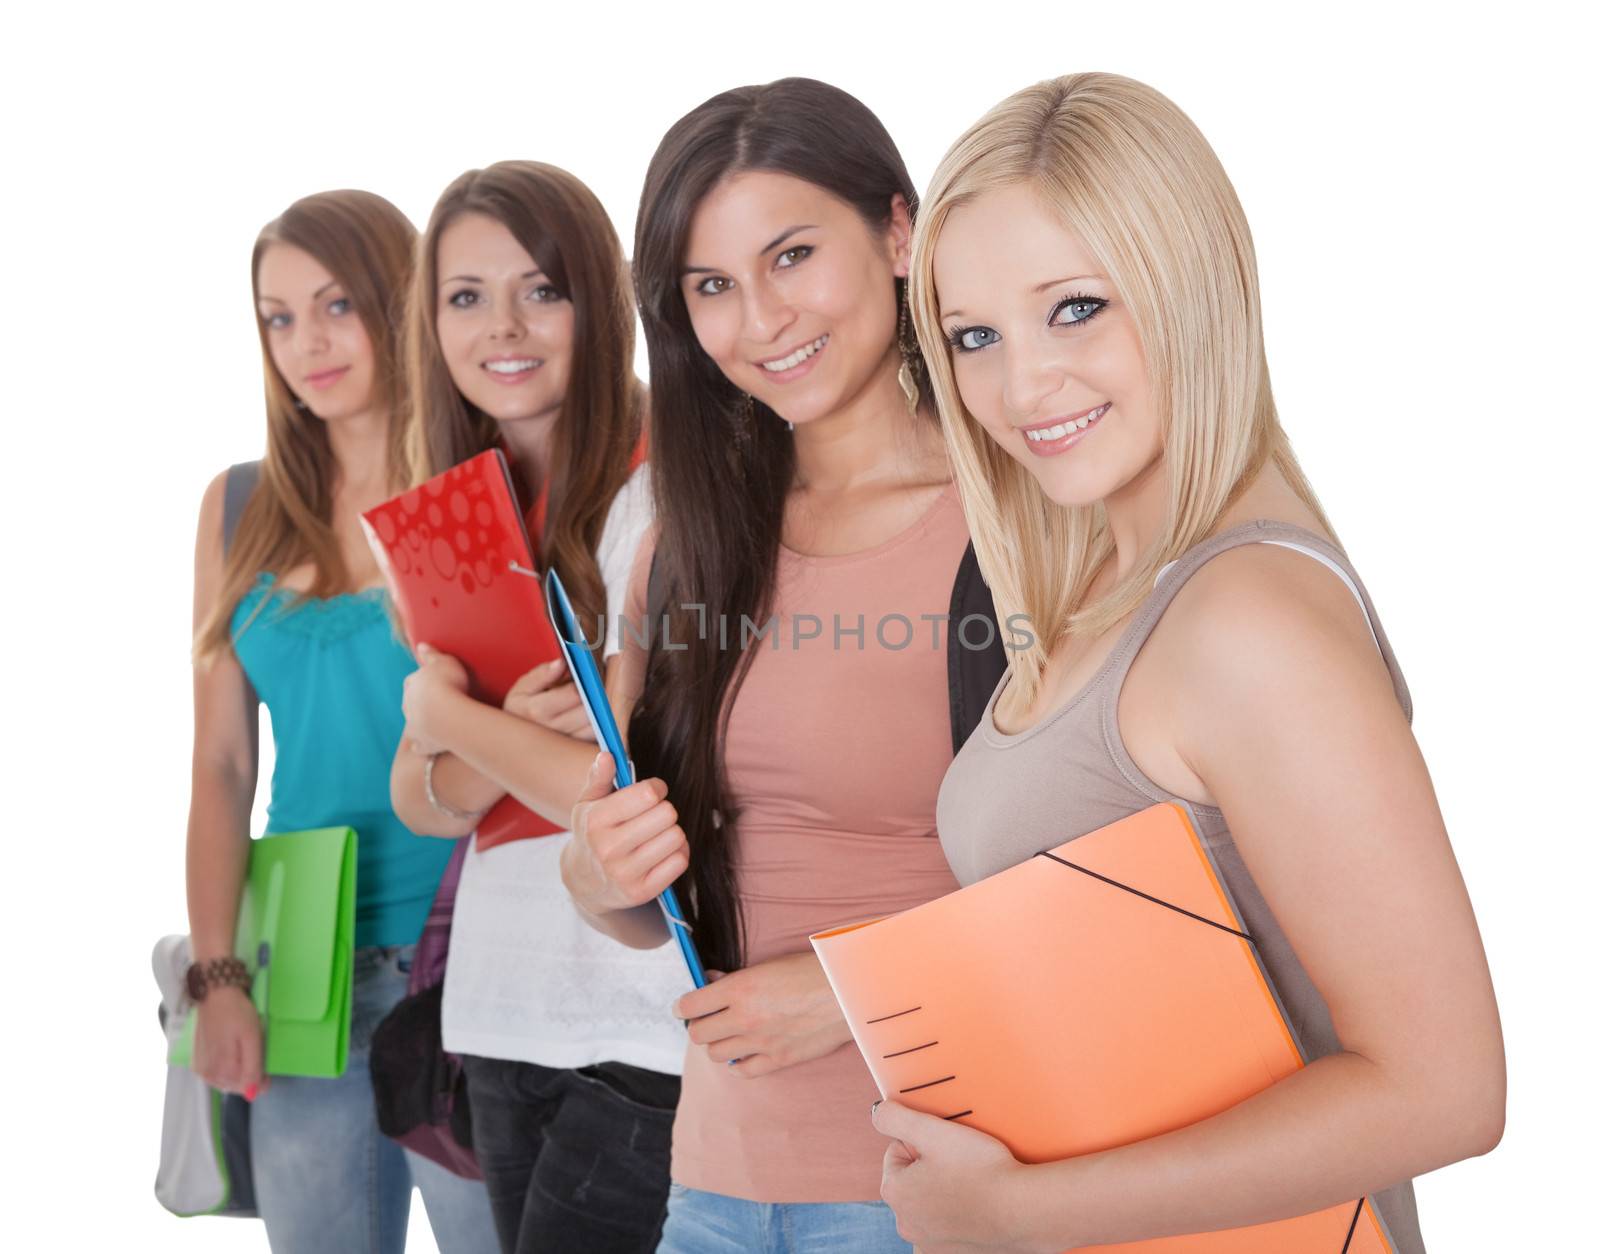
[330, 672]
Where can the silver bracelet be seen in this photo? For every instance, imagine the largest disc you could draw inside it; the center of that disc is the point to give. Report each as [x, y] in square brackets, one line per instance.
[443, 807]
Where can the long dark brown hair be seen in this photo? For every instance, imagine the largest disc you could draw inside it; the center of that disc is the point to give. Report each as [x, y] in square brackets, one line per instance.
[721, 482]
[562, 226]
[365, 243]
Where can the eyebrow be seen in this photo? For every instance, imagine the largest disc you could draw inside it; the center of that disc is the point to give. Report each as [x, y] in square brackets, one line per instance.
[316, 295]
[1040, 288]
[793, 230]
[535, 273]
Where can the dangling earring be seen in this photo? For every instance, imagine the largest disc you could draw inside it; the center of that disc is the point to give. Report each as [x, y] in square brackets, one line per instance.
[908, 351]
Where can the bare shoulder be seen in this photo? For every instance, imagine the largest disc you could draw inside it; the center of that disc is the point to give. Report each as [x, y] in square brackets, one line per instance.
[1264, 619]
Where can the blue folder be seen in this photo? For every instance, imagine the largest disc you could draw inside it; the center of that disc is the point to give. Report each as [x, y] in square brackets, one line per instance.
[591, 690]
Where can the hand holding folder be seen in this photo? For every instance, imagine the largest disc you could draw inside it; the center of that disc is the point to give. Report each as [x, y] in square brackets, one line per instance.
[1100, 993]
[459, 563]
[591, 691]
[296, 934]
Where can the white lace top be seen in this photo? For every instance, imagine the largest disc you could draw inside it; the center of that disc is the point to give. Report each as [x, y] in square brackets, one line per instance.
[528, 979]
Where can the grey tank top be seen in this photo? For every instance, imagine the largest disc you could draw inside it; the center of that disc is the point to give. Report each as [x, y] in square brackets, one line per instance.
[1006, 797]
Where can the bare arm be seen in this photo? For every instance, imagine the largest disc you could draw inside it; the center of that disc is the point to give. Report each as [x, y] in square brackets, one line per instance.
[454, 782]
[537, 748]
[222, 790]
[1288, 716]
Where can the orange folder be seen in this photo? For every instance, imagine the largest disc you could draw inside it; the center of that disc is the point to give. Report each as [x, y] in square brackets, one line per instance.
[1100, 993]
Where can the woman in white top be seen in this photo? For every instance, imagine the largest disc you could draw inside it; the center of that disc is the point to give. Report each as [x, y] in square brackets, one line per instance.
[521, 337]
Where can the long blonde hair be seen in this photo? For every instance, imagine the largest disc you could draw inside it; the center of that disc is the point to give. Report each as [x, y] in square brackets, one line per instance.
[365, 243]
[1129, 173]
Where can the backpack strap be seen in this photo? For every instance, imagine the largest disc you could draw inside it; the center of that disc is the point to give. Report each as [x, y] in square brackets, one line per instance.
[655, 591]
[236, 491]
[974, 672]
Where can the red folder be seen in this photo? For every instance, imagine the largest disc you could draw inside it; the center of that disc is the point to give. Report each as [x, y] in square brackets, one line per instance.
[1100, 993]
[459, 564]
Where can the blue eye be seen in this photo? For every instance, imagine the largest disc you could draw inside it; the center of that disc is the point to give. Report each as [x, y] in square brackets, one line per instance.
[971, 339]
[1075, 310]
[464, 299]
[277, 321]
[713, 285]
[793, 256]
[340, 306]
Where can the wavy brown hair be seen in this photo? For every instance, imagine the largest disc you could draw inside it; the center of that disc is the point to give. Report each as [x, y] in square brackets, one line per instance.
[721, 481]
[562, 226]
[366, 244]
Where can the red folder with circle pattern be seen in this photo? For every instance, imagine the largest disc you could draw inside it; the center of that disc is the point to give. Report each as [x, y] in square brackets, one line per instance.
[459, 563]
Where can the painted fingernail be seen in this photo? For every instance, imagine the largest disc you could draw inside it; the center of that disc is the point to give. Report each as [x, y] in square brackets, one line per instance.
[250, 1091]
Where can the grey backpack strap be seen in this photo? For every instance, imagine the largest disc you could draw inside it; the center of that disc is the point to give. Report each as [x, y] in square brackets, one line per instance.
[975, 669]
[236, 491]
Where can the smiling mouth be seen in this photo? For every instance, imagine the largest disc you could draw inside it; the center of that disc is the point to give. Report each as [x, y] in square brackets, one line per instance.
[514, 365]
[778, 365]
[1066, 427]
[323, 378]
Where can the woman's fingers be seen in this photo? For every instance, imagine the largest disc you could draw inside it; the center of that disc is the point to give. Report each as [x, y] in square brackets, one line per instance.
[622, 822]
[637, 866]
[733, 1048]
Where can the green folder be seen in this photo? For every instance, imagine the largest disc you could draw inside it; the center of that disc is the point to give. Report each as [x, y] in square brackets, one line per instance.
[296, 933]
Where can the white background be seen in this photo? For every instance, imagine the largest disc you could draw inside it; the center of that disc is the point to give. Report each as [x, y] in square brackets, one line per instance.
[1417, 183]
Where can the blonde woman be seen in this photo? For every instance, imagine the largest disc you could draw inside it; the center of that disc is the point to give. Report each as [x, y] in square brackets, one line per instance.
[1084, 285]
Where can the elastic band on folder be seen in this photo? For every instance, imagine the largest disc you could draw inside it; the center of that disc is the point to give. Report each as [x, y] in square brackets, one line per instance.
[1106, 879]
[1354, 1220]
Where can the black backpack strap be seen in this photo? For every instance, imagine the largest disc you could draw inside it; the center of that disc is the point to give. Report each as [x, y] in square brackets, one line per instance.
[236, 491]
[655, 592]
[974, 672]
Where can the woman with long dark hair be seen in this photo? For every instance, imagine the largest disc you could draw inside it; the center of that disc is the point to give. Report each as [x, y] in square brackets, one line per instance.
[795, 720]
[521, 337]
[290, 610]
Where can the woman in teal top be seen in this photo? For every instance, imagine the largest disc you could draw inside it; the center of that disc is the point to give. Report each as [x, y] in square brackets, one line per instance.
[330, 671]
[289, 610]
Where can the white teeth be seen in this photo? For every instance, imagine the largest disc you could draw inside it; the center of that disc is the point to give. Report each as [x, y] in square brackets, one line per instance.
[511, 367]
[796, 357]
[1065, 428]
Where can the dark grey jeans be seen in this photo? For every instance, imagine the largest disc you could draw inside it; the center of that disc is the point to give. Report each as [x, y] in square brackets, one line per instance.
[574, 1160]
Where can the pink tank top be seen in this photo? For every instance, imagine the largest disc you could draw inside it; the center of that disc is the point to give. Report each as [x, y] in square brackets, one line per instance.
[837, 742]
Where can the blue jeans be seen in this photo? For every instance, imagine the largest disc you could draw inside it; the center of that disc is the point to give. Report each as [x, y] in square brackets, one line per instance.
[709, 1223]
[326, 1179]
